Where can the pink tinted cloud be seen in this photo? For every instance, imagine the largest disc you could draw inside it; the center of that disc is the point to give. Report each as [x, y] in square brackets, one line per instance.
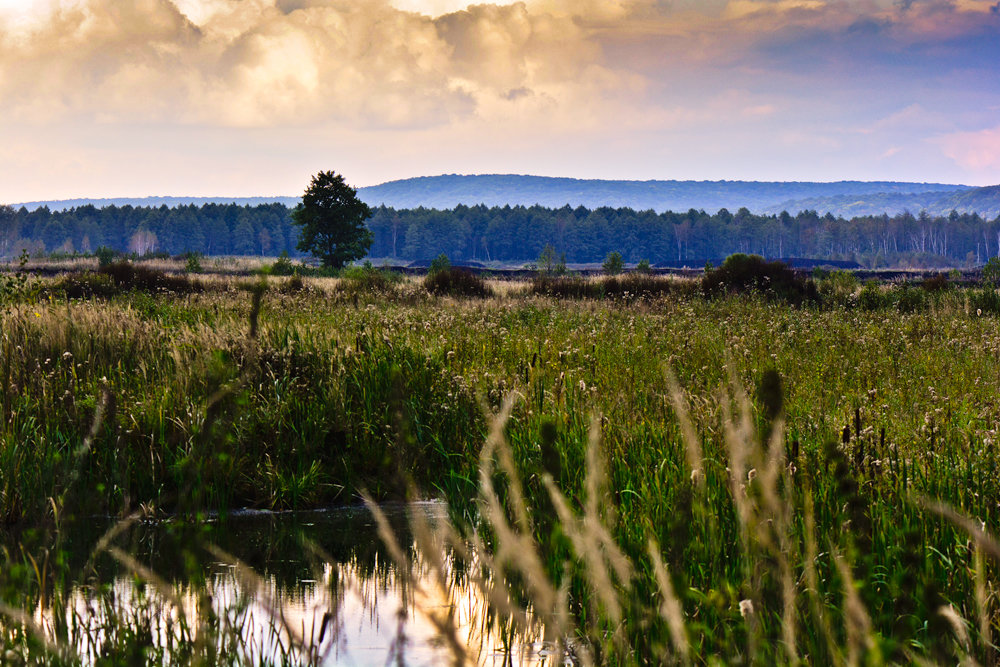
[975, 151]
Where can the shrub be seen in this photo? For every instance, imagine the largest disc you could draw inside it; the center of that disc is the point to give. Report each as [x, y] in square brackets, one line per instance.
[294, 284]
[367, 279]
[282, 266]
[936, 283]
[991, 271]
[613, 263]
[836, 287]
[439, 264]
[635, 285]
[457, 282]
[193, 263]
[127, 276]
[870, 297]
[105, 255]
[549, 264]
[564, 287]
[909, 299]
[752, 273]
[86, 285]
[643, 267]
[984, 302]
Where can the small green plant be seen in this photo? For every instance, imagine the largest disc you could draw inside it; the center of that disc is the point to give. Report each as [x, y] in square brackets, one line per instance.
[991, 272]
[105, 255]
[282, 266]
[439, 264]
[193, 263]
[549, 264]
[613, 263]
[870, 297]
[14, 285]
[367, 279]
[643, 267]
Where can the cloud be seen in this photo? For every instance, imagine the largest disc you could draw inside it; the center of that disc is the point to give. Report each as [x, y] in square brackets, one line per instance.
[263, 62]
[975, 151]
[390, 88]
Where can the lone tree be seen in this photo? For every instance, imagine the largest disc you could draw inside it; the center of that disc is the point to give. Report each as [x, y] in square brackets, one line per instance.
[332, 219]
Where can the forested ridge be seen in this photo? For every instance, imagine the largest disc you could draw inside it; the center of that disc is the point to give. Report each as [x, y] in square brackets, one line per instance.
[514, 233]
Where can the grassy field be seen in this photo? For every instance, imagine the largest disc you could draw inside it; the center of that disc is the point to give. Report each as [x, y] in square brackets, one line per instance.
[672, 477]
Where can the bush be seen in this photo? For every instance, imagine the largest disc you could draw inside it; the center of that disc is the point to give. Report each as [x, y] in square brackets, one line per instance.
[282, 266]
[367, 279]
[752, 273]
[984, 302]
[86, 286]
[991, 272]
[909, 299]
[294, 284]
[127, 276]
[564, 287]
[105, 255]
[635, 285]
[643, 267]
[193, 263]
[439, 264]
[457, 282]
[836, 288]
[549, 264]
[937, 283]
[613, 264]
[870, 297]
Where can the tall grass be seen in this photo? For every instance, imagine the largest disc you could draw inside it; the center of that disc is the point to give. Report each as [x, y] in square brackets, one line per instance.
[709, 523]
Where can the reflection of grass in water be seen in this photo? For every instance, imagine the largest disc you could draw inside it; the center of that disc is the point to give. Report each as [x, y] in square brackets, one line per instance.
[233, 615]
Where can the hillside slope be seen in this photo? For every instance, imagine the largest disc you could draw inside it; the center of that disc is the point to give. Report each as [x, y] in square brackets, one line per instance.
[500, 189]
[843, 198]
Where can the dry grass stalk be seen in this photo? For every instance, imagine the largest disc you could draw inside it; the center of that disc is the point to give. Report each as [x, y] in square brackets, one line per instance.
[695, 456]
[860, 635]
[812, 582]
[984, 597]
[961, 630]
[670, 608]
[164, 589]
[514, 548]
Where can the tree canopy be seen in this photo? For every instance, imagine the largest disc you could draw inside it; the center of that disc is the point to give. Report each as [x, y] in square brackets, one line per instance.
[332, 220]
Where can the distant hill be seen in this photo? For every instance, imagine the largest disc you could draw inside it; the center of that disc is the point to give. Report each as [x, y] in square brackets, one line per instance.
[498, 190]
[985, 201]
[169, 202]
[842, 198]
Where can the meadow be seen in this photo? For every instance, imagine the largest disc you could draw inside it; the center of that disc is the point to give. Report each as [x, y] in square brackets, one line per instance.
[649, 472]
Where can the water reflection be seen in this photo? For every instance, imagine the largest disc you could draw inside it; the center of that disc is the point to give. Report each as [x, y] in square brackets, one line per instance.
[312, 587]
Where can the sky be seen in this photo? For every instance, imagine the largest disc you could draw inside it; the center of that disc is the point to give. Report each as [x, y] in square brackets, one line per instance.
[128, 98]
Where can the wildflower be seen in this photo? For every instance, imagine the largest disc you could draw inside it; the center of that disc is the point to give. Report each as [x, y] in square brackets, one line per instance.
[746, 608]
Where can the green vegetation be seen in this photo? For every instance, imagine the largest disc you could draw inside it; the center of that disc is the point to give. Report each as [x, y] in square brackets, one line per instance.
[517, 234]
[445, 280]
[730, 471]
[331, 220]
[613, 263]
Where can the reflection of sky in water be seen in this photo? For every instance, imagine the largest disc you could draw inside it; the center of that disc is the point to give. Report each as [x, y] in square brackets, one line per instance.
[345, 611]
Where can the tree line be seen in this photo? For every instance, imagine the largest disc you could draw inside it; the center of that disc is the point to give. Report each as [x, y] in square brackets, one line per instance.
[514, 233]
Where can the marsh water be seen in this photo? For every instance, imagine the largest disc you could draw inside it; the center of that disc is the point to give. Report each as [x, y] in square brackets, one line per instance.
[319, 585]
